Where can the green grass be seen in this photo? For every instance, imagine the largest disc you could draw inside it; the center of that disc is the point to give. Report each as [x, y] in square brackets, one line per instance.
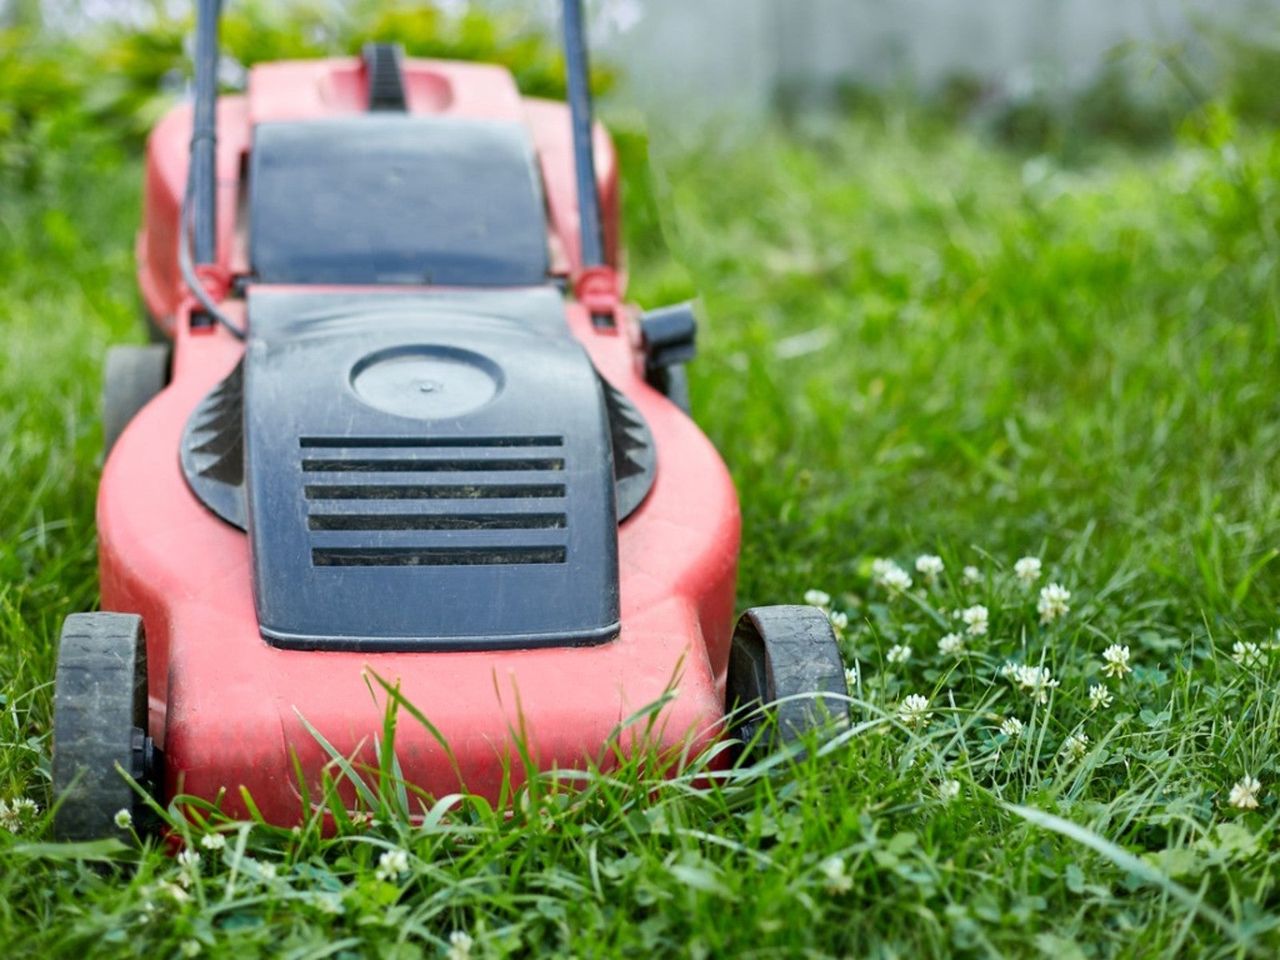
[914, 344]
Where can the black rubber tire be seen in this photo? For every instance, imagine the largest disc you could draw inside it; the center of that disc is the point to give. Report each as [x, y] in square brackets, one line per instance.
[131, 377]
[99, 721]
[673, 382]
[780, 652]
[155, 332]
[678, 387]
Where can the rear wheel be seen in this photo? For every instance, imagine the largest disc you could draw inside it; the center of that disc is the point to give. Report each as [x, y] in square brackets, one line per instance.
[156, 333]
[99, 724]
[780, 653]
[132, 376]
[673, 382]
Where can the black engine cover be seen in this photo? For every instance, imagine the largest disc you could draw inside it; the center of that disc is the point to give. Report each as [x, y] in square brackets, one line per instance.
[426, 471]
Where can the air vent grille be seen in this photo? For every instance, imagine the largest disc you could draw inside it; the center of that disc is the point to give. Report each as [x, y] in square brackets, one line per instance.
[217, 432]
[366, 506]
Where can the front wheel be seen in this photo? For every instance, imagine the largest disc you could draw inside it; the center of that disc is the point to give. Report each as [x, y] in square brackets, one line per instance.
[784, 667]
[673, 382]
[100, 725]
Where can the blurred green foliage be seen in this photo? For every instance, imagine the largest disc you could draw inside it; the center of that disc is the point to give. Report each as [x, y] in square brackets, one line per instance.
[1254, 78]
[107, 88]
[1142, 96]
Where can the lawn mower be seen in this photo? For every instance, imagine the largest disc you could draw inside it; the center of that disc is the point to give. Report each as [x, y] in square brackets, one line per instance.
[400, 425]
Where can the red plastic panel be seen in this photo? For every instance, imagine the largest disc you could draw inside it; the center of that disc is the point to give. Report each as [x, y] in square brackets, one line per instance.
[327, 88]
[229, 708]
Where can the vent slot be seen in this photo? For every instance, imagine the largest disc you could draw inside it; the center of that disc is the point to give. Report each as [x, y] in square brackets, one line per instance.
[431, 521]
[434, 556]
[414, 491]
[420, 465]
[396, 443]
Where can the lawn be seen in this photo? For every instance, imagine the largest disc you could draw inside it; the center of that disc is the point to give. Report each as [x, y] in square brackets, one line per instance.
[917, 344]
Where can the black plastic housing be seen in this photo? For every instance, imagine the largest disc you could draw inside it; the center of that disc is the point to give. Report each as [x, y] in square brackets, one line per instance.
[427, 471]
[386, 198]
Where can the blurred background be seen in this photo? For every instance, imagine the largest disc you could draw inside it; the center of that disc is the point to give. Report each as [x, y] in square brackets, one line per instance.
[1038, 74]
[746, 57]
[743, 59]
[882, 203]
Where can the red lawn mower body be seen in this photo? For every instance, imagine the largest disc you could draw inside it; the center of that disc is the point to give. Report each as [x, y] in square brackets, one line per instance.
[231, 710]
[405, 441]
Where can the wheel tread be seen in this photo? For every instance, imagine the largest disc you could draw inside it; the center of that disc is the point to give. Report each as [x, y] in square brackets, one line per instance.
[800, 656]
[100, 695]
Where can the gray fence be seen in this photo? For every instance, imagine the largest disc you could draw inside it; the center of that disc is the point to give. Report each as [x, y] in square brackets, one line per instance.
[735, 55]
[691, 58]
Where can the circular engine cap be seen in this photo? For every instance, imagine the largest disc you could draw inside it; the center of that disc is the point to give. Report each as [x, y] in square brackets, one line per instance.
[426, 382]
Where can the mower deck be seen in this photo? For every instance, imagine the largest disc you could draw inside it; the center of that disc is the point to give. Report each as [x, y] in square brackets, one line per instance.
[228, 707]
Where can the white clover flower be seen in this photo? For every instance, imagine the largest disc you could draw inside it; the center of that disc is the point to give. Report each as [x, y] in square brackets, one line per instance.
[897, 581]
[1011, 728]
[1053, 603]
[971, 575]
[835, 879]
[15, 813]
[1244, 795]
[1246, 653]
[914, 710]
[929, 566]
[817, 598]
[851, 676]
[174, 891]
[1099, 696]
[898, 653]
[1010, 670]
[123, 819]
[189, 860]
[1027, 570]
[1036, 681]
[1074, 747]
[213, 841]
[951, 645]
[948, 790]
[330, 903]
[975, 619]
[460, 944]
[190, 948]
[839, 621]
[1116, 661]
[392, 864]
[263, 871]
[890, 576]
